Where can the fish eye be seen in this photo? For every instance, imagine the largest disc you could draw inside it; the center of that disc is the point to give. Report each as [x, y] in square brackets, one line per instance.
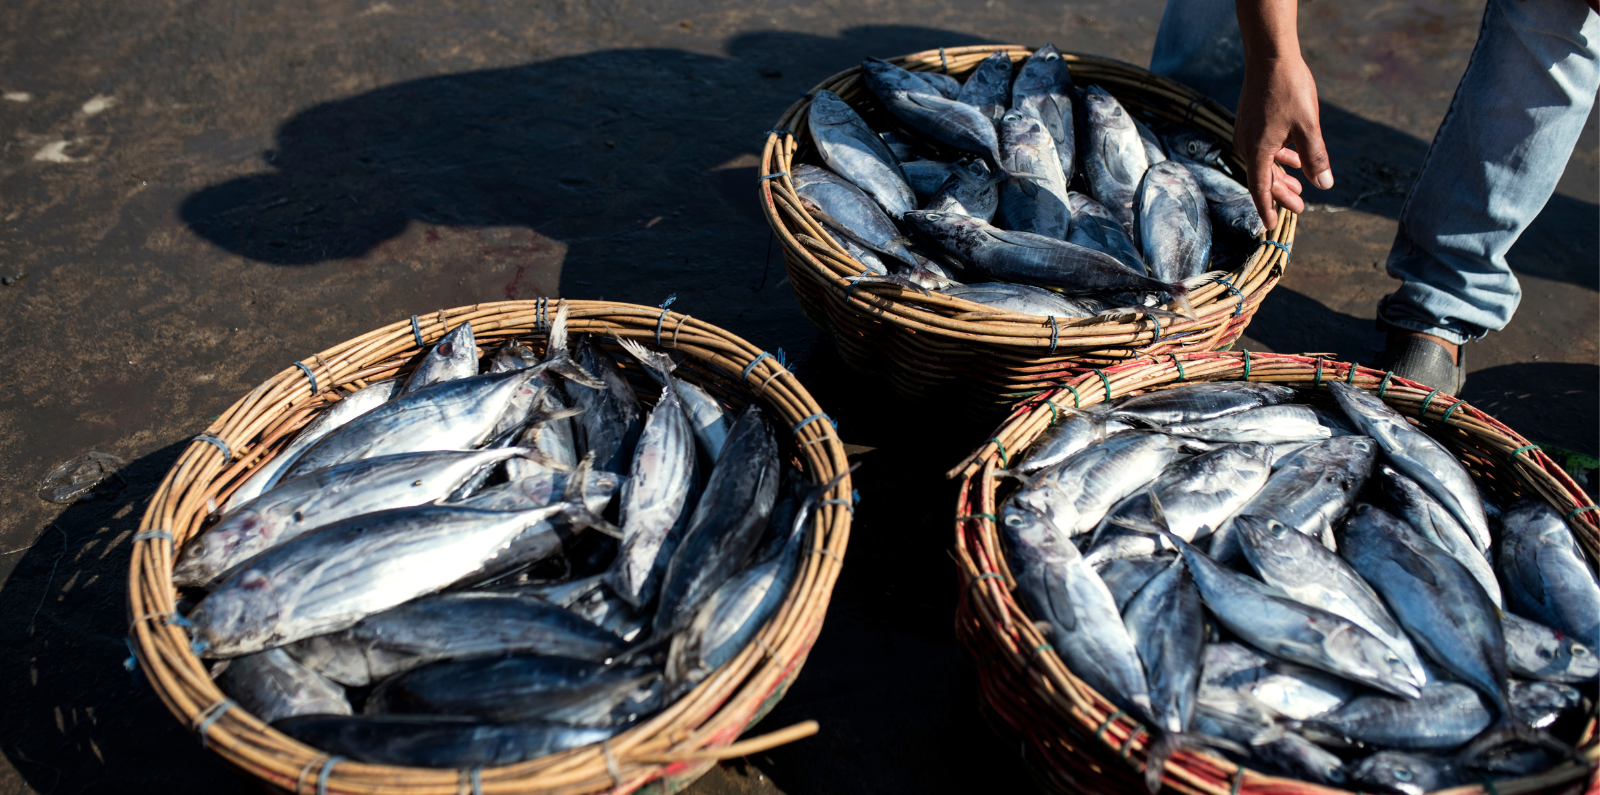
[1391, 658]
[1402, 774]
[1580, 650]
[447, 348]
[933, 216]
[1052, 57]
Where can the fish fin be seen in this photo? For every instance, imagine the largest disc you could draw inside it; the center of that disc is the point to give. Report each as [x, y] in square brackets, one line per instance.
[660, 365]
[1021, 239]
[1027, 480]
[558, 332]
[923, 100]
[890, 278]
[541, 459]
[580, 515]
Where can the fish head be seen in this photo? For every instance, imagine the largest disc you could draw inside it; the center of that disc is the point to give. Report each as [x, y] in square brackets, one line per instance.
[1045, 70]
[1026, 525]
[1263, 535]
[954, 231]
[456, 349]
[829, 108]
[1193, 145]
[1368, 660]
[1577, 659]
[239, 616]
[1018, 129]
[202, 559]
[884, 78]
[1393, 771]
[1104, 109]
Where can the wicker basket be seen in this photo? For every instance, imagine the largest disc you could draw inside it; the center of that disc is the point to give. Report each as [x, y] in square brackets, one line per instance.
[1076, 740]
[662, 754]
[937, 344]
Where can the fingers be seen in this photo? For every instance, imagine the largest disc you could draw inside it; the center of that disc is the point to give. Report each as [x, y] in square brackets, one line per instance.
[1288, 157]
[1289, 182]
[1287, 196]
[1262, 182]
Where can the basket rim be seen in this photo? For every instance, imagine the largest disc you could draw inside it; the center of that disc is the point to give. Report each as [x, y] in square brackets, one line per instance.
[681, 741]
[823, 261]
[990, 615]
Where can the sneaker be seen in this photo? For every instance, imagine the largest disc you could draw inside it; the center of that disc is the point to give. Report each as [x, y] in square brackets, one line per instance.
[1426, 362]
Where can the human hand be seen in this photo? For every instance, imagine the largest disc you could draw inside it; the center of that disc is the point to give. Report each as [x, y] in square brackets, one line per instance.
[1278, 108]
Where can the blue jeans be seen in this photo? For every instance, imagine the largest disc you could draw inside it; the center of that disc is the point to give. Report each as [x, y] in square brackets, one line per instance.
[1493, 164]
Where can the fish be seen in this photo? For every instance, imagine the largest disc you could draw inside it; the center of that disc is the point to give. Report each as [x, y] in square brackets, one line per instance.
[1072, 497]
[590, 599]
[1074, 430]
[457, 625]
[303, 504]
[1268, 619]
[1114, 161]
[1193, 146]
[660, 490]
[1228, 202]
[1289, 690]
[1174, 231]
[329, 580]
[946, 121]
[853, 151]
[1193, 498]
[1405, 774]
[1310, 491]
[1311, 574]
[611, 421]
[352, 405]
[1200, 402]
[513, 355]
[454, 356]
[1152, 145]
[1038, 205]
[727, 522]
[926, 177]
[272, 686]
[1094, 227]
[1043, 89]
[969, 190]
[847, 210]
[450, 415]
[1290, 422]
[1435, 599]
[1085, 628]
[548, 430]
[1536, 651]
[943, 84]
[1547, 576]
[868, 258]
[1445, 716]
[988, 88]
[521, 687]
[1262, 743]
[1027, 258]
[1167, 624]
[1126, 576]
[1414, 504]
[1416, 454]
[902, 147]
[1540, 704]
[1026, 299]
[438, 743]
[706, 416]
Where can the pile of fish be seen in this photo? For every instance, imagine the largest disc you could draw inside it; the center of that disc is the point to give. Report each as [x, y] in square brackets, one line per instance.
[1023, 193]
[1317, 591]
[467, 569]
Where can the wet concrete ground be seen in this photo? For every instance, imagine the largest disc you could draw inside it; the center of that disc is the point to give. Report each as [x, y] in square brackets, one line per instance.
[202, 192]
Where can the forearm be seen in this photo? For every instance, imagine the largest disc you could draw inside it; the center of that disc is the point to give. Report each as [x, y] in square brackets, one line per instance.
[1278, 120]
[1267, 28]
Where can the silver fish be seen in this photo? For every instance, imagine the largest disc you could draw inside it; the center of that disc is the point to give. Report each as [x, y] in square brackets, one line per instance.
[1073, 431]
[926, 177]
[523, 687]
[1124, 577]
[969, 190]
[1291, 422]
[656, 504]
[328, 580]
[547, 488]
[867, 257]
[1415, 505]
[1536, 651]
[1287, 689]
[1168, 628]
[437, 742]
[1230, 203]
[1540, 704]
[1547, 576]
[1026, 299]
[988, 88]
[451, 415]
[707, 416]
[1267, 745]
[321, 498]
[1032, 205]
[1043, 89]
[847, 210]
[590, 599]
[1405, 774]
[1311, 491]
[1193, 497]
[1193, 146]
[272, 686]
[1446, 715]
[1311, 574]
[1174, 229]
[1436, 599]
[856, 153]
[611, 420]
[1074, 495]
[1418, 455]
[947, 121]
[1200, 402]
[549, 432]
[1269, 620]
[944, 85]
[727, 522]
[454, 356]
[1093, 226]
[1152, 145]
[1085, 627]
[353, 405]
[1114, 160]
[452, 626]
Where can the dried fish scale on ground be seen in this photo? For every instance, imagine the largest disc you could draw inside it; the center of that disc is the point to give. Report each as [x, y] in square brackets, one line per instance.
[466, 586]
[1331, 666]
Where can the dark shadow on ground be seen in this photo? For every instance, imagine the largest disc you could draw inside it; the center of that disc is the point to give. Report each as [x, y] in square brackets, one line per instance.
[1293, 322]
[76, 719]
[1545, 402]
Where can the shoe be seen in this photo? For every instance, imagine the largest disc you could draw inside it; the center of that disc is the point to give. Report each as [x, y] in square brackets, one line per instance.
[1426, 362]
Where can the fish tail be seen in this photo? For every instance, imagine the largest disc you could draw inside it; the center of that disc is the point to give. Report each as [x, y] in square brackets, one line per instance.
[891, 278]
[558, 332]
[1180, 291]
[660, 365]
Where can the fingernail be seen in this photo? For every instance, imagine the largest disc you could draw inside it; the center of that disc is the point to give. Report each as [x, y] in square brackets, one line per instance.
[1324, 180]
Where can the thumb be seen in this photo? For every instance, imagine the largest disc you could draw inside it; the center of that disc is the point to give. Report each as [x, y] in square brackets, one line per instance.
[1314, 157]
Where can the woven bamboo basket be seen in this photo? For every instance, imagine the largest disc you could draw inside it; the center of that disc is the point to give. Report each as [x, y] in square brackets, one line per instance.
[936, 344]
[662, 754]
[1077, 741]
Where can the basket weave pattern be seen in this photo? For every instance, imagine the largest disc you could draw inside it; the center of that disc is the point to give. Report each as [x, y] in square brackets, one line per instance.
[1076, 740]
[661, 754]
[930, 344]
